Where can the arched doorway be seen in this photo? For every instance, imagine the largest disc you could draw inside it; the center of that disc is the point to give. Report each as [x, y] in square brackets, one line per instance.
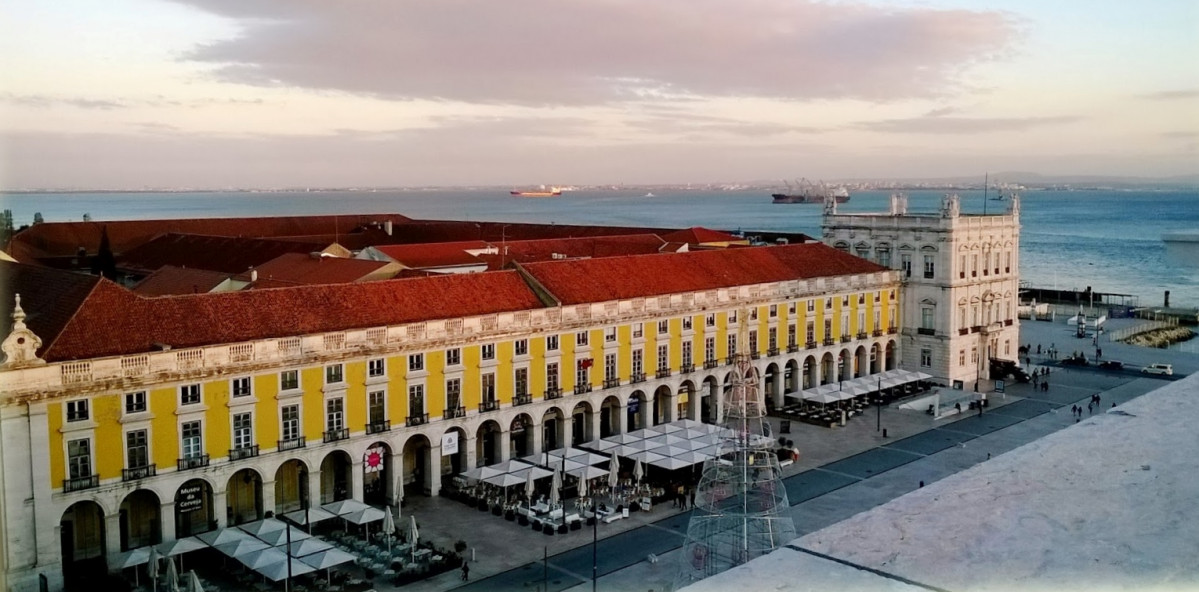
[487, 443]
[844, 365]
[771, 387]
[376, 474]
[243, 494]
[792, 378]
[291, 486]
[635, 413]
[874, 359]
[708, 410]
[416, 464]
[688, 401]
[553, 430]
[520, 436]
[663, 406]
[609, 409]
[194, 512]
[811, 375]
[81, 532]
[336, 477]
[580, 432]
[860, 362]
[890, 355]
[455, 462]
[140, 520]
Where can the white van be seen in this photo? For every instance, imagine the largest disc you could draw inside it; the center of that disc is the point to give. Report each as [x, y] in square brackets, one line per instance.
[1166, 369]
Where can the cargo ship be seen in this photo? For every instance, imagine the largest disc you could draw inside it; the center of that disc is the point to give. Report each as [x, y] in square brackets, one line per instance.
[804, 191]
[553, 192]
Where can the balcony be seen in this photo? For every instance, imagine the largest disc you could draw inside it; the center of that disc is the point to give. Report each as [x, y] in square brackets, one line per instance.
[892, 330]
[553, 393]
[243, 452]
[611, 382]
[419, 419]
[378, 427]
[582, 389]
[963, 331]
[926, 331]
[335, 435]
[194, 462]
[774, 351]
[80, 483]
[792, 348]
[862, 335]
[491, 405]
[663, 373]
[687, 368]
[877, 333]
[729, 361]
[138, 473]
[453, 413]
[637, 377]
[928, 275]
[846, 339]
[710, 364]
[522, 399]
[753, 355]
[291, 444]
[810, 345]
[829, 341]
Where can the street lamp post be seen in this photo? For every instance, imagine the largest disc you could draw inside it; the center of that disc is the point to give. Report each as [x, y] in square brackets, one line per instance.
[878, 405]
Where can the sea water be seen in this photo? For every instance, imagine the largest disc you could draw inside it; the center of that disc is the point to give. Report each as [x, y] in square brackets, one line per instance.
[1108, 240]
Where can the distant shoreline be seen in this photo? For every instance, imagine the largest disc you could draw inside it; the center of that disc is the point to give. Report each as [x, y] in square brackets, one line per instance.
[593, 188]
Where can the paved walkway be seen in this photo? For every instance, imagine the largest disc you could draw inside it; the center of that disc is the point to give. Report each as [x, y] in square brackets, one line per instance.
[843, 471]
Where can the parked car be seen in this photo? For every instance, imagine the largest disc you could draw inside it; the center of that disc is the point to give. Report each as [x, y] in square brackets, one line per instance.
[1008, 369]
[1111, 365]
[1075, 360]
[1165, 369]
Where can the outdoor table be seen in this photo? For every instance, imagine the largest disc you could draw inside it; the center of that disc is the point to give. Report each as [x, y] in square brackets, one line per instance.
[541, 508]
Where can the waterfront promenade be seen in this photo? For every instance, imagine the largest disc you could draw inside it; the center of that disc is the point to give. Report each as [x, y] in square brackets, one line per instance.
[841, 472]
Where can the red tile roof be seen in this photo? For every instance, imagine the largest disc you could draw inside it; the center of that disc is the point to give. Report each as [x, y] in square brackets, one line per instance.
[179, 280]
[435, 231]
[132, 324]
[698, 234]
[300, 268]
[214, 253]
[615, 278]
[49, 297]
[63, 239]
[426, 255]
[529, 251]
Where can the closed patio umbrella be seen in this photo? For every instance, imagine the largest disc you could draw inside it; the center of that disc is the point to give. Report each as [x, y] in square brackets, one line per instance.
[193, 582]
[638, 471]
[413, 535]
[172, 576]
[152, 569]
[613, 471]
[389, 526]
[557, 483]
[529, 488]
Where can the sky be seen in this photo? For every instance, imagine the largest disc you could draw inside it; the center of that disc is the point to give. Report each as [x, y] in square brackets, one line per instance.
[127, 94]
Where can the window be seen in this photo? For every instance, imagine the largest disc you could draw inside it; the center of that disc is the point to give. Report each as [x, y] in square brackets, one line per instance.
[137, 451]
[135, 402]
[189, 394]
[241, 386]
[878, 319]
[811, 306]
[582, 376]
[791, 336]
[974, 355]
[791, 309]
[610, 367]
[929, 267]
[663, 357]
[79, 458]
[828, 304]
[962, 267]
[905, 263]
[926, 358]
[663, 327]
[638, 362]
[289, 380]
[290, 422]
[828, 328]
[522, 347]
[581, 338]
[709, 349]
[521, 381]
[974, 265]
[753, 342]
[732, 343]
[487, 386]
[551, 376]
[453, 356]
[1007, 346]
[961, 357]
[753, 314]
[488, 351]
[687, 323]
[772, 339]
[710, 320]
[928, 318]
[687, 353]
[551, 342]
[334, 373]
[453, 393]
[810, 332]
[884, 257]
[335, 417]
[416, 362]
[193, 445]
[416, 400]
[610, 334]
[733, 317]
[638, 330]
[243, 430]
[845, 300]
[376, 367]
[774, 311]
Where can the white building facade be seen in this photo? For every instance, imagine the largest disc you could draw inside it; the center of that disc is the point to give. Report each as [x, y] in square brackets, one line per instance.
[960, 276]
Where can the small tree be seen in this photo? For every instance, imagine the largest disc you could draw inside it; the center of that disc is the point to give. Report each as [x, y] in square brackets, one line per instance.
[87, 217]
[37, 218]
[460, 546]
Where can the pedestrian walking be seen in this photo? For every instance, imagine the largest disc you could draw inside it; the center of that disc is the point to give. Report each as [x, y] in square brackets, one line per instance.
[922, 484]
[1098, 353]
[1038, 349]
[1090, 409]
[1074, 410]
[693, 496]
[1098, 399]
[465, 570]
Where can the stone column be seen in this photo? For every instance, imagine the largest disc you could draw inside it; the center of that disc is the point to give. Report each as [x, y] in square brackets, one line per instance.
[220, 508]
[504, 446]
[672, 402]
[619, 425]
[591, 429]
[166, 520]
[314, 489]
[268, 497]
[718, 400]
[472, 454]
[432, 483]
[395, 471]
[693, 401]
[538, 438]
[356, 480]
[112, 534]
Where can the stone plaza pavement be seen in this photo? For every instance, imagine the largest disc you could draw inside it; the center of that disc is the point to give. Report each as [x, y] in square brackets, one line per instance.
[842, 472]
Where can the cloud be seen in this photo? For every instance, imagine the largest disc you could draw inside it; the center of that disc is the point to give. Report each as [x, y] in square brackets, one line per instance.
[1171, 95]
[547, 52]
[46, 101]
[935, 124]
[699, 125]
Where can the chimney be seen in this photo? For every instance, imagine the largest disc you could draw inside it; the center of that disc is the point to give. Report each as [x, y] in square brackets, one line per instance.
[253, 275]
[387, 227]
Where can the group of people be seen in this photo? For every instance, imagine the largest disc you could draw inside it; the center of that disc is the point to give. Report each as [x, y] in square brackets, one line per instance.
[1091, 407]
[682, 493]
[1041, 378]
